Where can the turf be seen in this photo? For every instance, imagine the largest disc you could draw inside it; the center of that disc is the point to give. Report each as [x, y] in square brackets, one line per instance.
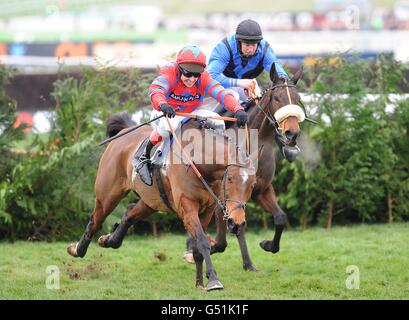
[311, 265]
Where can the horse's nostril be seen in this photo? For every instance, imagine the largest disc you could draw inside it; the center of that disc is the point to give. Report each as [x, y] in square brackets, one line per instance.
[230, 223]
[291, 135]
[232, 226]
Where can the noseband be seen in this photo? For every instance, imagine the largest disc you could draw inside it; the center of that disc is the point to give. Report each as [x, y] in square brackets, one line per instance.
[268, 114]
[300, 113]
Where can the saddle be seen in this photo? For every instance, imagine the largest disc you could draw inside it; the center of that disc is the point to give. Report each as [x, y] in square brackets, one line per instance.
[145, 168]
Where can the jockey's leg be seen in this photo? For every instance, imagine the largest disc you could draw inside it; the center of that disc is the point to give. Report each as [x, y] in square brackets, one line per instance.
[160, 132]
[142, 162]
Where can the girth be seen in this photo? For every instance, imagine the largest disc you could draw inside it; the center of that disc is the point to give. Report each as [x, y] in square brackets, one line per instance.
[159, 182]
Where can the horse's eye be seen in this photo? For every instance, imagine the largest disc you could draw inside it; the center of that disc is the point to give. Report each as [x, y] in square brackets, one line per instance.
[229, 178]
[276, 99]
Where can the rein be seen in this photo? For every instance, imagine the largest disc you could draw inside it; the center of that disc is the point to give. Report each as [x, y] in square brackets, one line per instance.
[221, 205]
[195, 170]
[268, 114]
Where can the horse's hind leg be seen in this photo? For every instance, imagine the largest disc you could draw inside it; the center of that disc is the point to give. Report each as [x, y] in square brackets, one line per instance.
[134, 213]
[101, 210]
[268, 202]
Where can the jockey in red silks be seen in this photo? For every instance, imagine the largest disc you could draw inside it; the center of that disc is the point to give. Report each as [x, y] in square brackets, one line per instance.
[182, 84]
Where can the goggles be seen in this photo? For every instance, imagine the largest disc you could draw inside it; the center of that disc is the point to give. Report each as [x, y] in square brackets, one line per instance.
[189, 74]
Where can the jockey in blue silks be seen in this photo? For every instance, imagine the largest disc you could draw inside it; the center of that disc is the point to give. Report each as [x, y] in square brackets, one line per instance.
[242, 57]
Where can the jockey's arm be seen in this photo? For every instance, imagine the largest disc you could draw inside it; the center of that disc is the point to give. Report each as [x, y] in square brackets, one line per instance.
[218, 61]
[218, 92]
[160, 87]
[247, 84]
[271, 58]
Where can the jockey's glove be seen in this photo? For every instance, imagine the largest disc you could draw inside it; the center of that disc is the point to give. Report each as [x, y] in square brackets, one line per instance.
[167, 110]
[242, 118]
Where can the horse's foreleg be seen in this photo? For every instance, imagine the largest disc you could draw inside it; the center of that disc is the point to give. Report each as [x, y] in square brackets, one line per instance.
[198, 258]
[201, 245]
[133, 214]
[247, 264]
[221, 229]
[221, 241]
[268, 202]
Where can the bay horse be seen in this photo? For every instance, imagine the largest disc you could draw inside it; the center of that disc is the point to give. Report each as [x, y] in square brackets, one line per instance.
[276, 118]
[184, 191]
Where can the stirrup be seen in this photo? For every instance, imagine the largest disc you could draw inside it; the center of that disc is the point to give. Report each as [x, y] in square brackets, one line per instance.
[142, 167]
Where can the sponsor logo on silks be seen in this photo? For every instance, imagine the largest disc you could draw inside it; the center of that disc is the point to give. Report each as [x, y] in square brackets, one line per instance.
[185, 98]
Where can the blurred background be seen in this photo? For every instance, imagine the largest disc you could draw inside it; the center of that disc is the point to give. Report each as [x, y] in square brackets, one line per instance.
[67, 65]
[37, 37]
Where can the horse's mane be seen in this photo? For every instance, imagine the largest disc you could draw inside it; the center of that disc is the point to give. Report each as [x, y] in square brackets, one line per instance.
[118, 122]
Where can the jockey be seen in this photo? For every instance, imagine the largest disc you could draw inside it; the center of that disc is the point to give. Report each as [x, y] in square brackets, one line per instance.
[182, 84]
[238, 59]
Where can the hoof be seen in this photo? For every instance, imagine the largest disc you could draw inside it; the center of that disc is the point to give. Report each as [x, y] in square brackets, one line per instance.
[269, 246]
[200, 285]
[214, 285]
[250, 268]
[217, 248]
[72, 250]
[188, 256]
[102, 241]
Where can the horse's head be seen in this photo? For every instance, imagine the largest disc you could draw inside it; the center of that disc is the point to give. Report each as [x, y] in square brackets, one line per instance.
[238, 183]
[281, 104]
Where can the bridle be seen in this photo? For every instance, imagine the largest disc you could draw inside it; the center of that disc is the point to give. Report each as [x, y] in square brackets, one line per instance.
[271, 117]
[240, 204]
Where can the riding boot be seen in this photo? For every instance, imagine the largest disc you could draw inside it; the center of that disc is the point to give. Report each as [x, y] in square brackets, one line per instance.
[143, 164]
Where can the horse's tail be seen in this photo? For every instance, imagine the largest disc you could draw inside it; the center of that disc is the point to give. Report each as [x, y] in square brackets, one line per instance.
[119, 121]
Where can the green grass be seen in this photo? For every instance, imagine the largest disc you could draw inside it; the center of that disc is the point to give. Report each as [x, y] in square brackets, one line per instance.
[311, 265]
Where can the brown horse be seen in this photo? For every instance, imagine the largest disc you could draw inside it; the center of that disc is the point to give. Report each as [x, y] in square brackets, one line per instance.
[185, 193]
[276, 118]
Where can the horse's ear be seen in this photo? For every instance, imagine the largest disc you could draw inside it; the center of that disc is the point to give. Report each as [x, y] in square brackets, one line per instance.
[273, 74]
[297, 76]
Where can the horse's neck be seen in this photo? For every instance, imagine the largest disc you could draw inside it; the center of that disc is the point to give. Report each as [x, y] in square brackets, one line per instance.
[266, 132]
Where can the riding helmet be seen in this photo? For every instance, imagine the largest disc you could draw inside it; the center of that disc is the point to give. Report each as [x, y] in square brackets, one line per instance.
[192, 59]
[249, 31]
